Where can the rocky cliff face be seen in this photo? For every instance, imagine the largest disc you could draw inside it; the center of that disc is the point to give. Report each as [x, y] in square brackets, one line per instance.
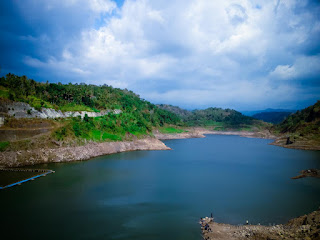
[67, 154]
[24, 110]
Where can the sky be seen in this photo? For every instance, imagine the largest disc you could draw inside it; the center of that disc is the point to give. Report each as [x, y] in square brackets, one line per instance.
[243, 54]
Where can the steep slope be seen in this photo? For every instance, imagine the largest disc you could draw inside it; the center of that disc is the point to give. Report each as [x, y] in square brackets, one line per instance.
[135, 119]
[301, 129]
[306, 121]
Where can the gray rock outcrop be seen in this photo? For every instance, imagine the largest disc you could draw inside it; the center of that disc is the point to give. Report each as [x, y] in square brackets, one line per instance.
[24, 110]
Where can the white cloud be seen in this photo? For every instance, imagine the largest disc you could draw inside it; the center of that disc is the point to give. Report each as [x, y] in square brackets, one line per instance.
[303, 67]
[105, 6]
[194, 51]
[284, 72]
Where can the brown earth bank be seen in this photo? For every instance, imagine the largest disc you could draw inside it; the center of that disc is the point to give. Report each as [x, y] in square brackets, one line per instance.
[301, 143]
[39, 149]
[282, 141]
[198, 132]
[305, 227]
[78, 153]
[57, 152]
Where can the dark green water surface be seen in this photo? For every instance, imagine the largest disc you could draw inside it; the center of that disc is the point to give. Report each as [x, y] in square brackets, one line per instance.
[162, 194]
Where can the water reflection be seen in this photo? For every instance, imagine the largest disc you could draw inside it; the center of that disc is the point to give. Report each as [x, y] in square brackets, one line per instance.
[162, 194]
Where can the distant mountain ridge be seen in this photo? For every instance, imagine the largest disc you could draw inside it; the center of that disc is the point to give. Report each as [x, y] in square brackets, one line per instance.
[272, 117]
[228, 118]
[251, 113]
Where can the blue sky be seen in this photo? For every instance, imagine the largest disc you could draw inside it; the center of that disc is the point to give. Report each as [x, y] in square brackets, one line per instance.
[244, 54]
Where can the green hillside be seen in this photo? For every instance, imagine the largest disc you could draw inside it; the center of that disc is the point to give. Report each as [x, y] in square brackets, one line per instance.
[138, 116]
[302, 123]
[218, 118]
[137, 119]
[184, 114]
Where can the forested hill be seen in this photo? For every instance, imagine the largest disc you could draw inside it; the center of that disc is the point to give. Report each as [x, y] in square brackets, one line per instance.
[304, 122]
[214, 116]
[177, 110]
[138, 115]
[229, 117]
[71, 97]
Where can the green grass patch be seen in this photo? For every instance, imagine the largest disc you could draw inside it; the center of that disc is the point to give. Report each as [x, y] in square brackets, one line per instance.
[111, 127]
[217, 124]
[4, 145]
[171, 130]
[38, 103]
[96, 135]
[219, 128]
[249, 129]
[4, 93]
[75, 108]
[109, 136]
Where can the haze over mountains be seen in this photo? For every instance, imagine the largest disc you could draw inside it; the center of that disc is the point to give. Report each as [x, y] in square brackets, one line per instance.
[251, 113]
[270, 115]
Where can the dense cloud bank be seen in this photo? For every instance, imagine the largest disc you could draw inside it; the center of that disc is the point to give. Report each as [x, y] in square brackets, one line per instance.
[238, 54]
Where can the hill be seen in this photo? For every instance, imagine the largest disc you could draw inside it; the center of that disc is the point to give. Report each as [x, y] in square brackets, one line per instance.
[301, 129]
[184, 114]
[218, 118]
[116, 115]
[272, 117]
[306, 121]
[137, 117]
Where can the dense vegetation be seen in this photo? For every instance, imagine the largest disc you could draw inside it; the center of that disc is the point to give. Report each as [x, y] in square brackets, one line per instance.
[218, 117]
[305, 122]
[171, 130]
[138, 116]
[76, 97]
[177, 110]
[272, 117]
[229, 117]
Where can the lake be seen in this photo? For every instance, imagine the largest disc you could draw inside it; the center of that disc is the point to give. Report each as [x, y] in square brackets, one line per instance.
[162, 194]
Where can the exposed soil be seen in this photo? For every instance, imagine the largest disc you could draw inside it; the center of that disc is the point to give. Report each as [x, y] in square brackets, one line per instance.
[199, 132]
[76, 153]
[282, 141]
[304, 227]
[301, 143]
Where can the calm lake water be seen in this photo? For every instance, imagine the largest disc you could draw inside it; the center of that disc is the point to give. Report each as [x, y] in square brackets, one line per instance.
[162, 194]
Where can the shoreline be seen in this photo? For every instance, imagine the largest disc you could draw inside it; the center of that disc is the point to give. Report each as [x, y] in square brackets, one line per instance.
[79, 153]
[198, 132]
[95, 149]
[308, 173]
[305, 144]
[302, 227]
[279, 141]
[220, 230]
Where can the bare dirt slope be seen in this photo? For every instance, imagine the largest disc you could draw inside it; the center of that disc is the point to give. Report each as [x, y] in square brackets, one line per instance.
[304, 227]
